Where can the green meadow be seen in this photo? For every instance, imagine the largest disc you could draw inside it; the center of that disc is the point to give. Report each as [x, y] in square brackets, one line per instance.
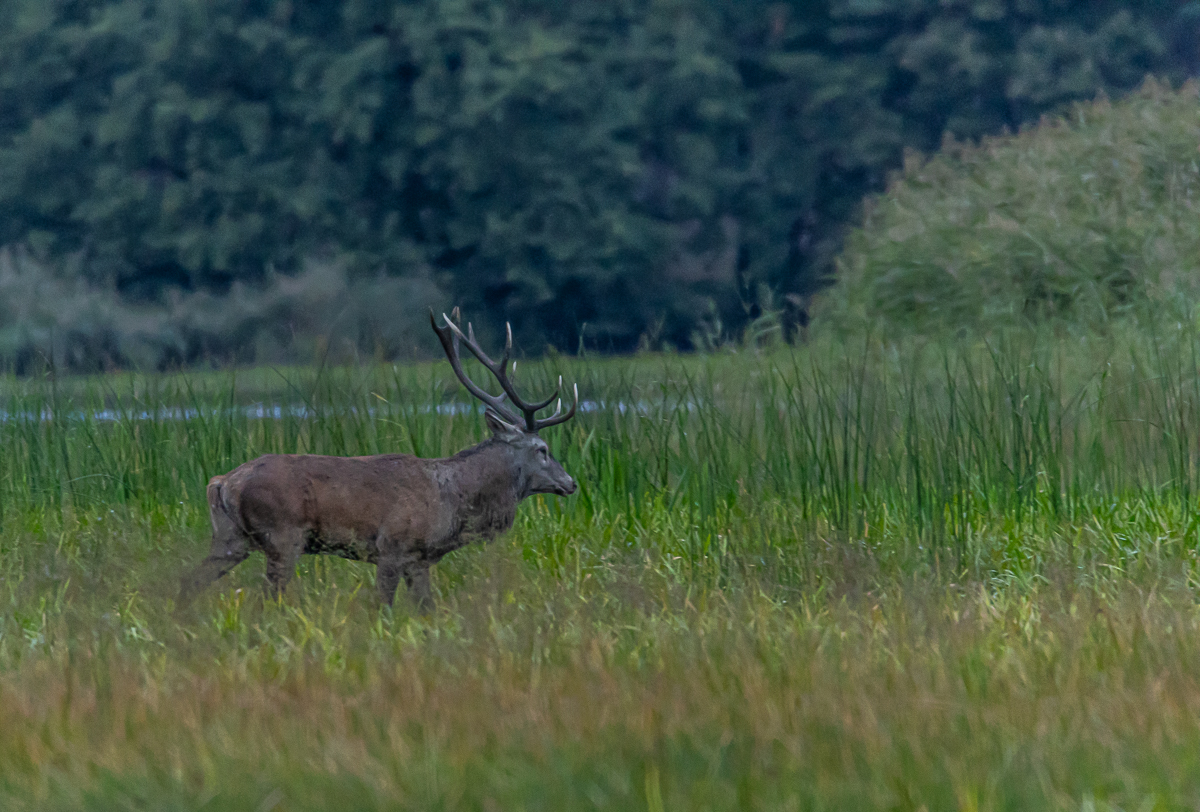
[857, 574]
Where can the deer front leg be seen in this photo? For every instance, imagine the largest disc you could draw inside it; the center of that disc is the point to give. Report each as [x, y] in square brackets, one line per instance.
[387, 578]
[415, 573]
[420, 592]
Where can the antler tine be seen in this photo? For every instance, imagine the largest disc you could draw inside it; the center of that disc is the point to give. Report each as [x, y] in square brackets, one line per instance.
[554, 419]
[473, 345]
[452, 334]
[542, 404]
[500, 371]
[507, 350]
[497, 369]
[449, 337]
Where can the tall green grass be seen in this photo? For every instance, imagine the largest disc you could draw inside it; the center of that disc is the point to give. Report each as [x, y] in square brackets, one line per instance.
[867, 575]
[904, 446]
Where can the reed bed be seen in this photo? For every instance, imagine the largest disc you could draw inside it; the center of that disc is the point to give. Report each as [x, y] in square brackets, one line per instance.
[850, 575]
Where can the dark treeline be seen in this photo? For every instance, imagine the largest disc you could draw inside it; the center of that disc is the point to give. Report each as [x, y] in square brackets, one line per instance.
[598, 172]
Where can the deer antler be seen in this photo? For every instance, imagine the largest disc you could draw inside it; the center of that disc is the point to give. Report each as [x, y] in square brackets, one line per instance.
[451, 335]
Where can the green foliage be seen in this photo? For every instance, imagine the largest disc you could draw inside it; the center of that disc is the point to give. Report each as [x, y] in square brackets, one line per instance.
[53, 320]
[597, 173]
[1079, 220]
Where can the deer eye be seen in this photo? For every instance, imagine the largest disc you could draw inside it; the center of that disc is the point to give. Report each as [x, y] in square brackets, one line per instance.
[545, 454]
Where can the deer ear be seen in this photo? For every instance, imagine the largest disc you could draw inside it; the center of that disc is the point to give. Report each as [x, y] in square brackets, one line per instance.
[501, 428]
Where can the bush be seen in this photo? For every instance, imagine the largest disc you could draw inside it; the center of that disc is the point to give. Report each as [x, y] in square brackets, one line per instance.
[1077, 220]
[52, 317]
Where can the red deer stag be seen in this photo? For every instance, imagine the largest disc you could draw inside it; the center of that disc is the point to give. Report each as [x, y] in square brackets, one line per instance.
[401, 513]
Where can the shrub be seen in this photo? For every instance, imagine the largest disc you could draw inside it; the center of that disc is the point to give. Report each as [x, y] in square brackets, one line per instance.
[51, 316]
[1075, 221]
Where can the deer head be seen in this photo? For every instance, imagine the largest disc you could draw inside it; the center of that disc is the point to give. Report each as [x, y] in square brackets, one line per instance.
[538, 471]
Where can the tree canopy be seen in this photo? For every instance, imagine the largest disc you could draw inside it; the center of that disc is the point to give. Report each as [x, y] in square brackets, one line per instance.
[594, 172]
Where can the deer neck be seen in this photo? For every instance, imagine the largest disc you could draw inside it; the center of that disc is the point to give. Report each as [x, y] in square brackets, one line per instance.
[486, 483]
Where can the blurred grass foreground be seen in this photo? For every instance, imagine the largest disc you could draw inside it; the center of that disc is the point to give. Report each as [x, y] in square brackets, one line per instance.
[943, 556]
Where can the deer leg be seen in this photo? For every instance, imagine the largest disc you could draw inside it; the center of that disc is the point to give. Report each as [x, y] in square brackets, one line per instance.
[388, 573]
[283, 550]
[229, 548]
[416, 577]
[387, 578]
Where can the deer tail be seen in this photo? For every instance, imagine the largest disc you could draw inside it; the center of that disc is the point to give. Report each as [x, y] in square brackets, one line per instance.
[223, 516]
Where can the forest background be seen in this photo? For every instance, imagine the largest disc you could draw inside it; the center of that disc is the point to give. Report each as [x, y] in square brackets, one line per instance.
[197, 181]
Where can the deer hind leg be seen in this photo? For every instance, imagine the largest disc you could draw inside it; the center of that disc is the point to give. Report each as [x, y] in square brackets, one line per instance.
[230, 547]
[283, 549]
